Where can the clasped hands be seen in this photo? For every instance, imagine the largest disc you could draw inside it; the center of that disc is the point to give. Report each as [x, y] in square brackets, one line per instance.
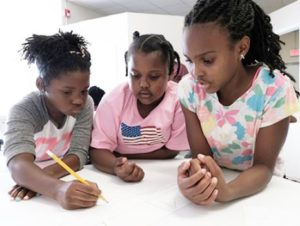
[128, 171]
[202, 181]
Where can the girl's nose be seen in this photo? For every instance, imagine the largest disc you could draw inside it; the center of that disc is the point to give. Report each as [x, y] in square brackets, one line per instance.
[79, 99]
[196, 71]
[144, 83]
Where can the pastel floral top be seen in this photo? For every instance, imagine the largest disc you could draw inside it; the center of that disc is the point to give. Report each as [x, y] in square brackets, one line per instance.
[231, 130]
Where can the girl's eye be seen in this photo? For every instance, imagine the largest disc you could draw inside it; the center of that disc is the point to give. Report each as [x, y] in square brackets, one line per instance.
[67, 93]
[134, 76]
[154, 77]
[84, 92]
[188, 61]
[208, 61]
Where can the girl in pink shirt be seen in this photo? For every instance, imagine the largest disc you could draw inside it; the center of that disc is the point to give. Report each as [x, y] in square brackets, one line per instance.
[141, 119]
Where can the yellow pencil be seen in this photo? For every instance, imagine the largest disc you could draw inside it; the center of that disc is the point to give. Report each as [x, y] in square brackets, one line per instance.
[72, 172]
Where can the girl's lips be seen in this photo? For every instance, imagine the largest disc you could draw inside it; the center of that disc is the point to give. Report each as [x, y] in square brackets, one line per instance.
[145, 94]
[204, 84]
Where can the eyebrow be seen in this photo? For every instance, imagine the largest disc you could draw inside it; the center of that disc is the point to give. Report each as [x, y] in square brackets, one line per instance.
[155, 70]
[201, 54]
[70, 87]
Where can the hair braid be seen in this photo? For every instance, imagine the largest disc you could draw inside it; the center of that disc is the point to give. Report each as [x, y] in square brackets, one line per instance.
[153, 42]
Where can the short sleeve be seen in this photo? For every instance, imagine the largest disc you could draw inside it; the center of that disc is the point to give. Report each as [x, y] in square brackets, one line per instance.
[18, 137]
[178, 139]
[81, 133]
[282, 103]
[105, 127]
[186, 94]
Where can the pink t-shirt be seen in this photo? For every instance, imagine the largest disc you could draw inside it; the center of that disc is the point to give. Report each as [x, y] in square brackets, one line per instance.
[118, 126]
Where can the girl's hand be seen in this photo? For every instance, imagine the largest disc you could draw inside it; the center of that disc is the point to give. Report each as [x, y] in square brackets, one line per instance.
[75, 195]
[196, 184]
[20, 193]
[128, 172]
[224, 193]
[195, 166]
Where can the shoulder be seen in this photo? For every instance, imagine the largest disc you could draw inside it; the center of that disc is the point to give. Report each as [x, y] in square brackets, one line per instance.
[272, 83]
[266, 77]
[188, 85]
[32, 104]
[34, 98]
[186, 81]
[118, 95]
[273, 88]
[30, 111]
[118, 91]
[172, 88]
[190, 92]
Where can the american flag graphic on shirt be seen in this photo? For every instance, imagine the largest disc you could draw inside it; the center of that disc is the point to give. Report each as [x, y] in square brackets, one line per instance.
[141, 135]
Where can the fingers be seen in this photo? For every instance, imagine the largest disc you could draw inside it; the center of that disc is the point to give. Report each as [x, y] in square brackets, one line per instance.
[75, 195]
[210, 164]
[211, 199]
[183, 169]
[203, 192]
[128, 172]
[120, 161]
[20, 193]
[190, 181]
[30, 194]
[195, 166]
[197, 185]
[135, 173]
[91, 189]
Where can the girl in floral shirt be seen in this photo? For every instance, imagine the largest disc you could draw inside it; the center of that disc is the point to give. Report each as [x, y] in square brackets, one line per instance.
[237, 100]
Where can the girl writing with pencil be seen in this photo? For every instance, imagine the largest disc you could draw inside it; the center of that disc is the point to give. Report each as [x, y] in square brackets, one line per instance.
[58, 118]
[142, 118]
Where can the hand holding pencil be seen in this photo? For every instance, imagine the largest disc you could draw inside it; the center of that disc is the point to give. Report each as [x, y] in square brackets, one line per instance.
[72, 172]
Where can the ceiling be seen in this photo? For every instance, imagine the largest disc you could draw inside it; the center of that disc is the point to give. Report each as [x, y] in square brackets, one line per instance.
[168, 7]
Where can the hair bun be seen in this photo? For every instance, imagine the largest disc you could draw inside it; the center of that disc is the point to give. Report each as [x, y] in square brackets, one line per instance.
[136, 35]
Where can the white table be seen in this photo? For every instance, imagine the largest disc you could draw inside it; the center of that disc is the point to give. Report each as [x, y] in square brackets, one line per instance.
[154, 201]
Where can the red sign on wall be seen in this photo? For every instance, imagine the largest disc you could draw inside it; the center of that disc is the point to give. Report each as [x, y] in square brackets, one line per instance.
[294, 52]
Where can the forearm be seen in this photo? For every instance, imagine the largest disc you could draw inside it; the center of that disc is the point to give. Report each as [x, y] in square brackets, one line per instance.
[162, 153]
[27, 174]
[103, 160]
[57, 171]
[249, 182]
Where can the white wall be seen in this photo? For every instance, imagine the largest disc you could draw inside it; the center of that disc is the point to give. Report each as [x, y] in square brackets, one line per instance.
[285, 20]
[170, 26]
[78, 13]
[110, 37]
[18, 20]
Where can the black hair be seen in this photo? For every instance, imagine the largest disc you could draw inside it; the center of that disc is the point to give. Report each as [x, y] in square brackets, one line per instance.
[96, 93]
[149, 43]
[56, 54]
[240, 18]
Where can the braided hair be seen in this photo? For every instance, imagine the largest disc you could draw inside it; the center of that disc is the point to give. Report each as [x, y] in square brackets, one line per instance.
[149, 43]
[240, 18]
[56, 54]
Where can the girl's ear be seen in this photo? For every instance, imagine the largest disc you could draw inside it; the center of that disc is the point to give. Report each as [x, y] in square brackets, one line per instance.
[244, 45]
[40, 84]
